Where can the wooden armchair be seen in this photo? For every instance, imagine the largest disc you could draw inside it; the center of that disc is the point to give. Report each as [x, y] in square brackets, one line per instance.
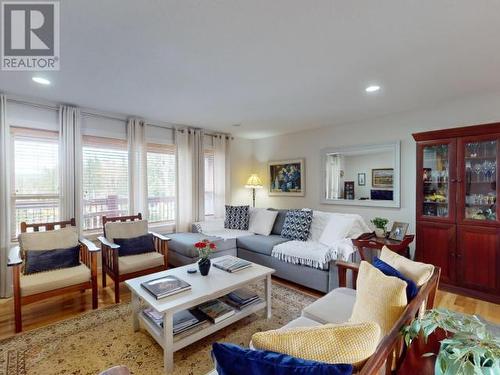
[38, 286]
[391, 350]
[121, 268]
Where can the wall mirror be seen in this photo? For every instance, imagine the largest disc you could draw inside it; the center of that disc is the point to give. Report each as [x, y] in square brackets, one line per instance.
[366, 175]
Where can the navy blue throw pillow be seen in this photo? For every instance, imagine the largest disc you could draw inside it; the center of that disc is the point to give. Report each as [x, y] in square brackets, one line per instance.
[134, 246]
[234, 360]
[411, 287]
[48, 260]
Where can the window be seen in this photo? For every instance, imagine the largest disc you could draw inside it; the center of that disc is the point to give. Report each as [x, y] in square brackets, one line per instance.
[209, 183]
[105, 180]
[161, 183]
[35, 182]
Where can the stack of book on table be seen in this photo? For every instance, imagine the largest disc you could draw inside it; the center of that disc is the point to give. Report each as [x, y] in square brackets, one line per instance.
[183, 321]
[241, 298]
[231, 264]
[216, 310]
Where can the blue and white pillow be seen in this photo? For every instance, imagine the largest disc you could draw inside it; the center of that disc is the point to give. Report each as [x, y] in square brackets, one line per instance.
[297, 225]
[237, 217]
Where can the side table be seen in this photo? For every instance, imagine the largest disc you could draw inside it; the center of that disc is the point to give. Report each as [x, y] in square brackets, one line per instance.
[370, 241]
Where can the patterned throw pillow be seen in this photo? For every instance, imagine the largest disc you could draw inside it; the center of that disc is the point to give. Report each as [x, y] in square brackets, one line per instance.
[297, 225]
[237, 217]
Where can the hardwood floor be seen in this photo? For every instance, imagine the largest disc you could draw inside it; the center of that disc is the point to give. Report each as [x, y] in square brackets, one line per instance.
[63, 307]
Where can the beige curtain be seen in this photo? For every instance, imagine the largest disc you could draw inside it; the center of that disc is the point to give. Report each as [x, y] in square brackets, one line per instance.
[70, 155]
[190, 194]
[137, 166]
[5, 199]
[222, 177]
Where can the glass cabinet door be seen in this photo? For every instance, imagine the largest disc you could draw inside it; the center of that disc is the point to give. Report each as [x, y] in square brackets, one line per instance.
[436, 180]
[479, 183]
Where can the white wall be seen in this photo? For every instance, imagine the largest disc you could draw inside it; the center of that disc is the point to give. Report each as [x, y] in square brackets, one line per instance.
[308, 144]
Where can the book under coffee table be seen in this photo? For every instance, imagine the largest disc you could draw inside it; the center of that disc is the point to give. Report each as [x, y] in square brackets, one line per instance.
[203, 288]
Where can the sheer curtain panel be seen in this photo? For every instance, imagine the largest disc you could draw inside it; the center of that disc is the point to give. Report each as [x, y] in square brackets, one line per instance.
[190, 178]
[137, 148]
[70, 156]
[5, 215]
[221, 173]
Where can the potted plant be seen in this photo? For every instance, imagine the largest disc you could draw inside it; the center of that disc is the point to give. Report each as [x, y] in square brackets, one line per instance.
[380, 223]
[468, 347]
[204, 248]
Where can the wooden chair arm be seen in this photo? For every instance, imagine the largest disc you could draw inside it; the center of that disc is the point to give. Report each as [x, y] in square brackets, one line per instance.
[14, 257]
[160, 236]
[342, 268]
[103, 240]
[88, 244]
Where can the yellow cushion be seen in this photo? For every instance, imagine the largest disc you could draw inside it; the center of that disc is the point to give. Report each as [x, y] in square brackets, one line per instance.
[420, 273]
[379, 298]
[330, 343]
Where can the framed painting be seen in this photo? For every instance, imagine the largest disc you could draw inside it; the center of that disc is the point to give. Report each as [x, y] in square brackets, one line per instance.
[287, 177]
[383, 178]
[361, 179]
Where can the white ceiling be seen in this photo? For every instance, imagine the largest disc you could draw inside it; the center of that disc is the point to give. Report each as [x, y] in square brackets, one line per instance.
[275, 66]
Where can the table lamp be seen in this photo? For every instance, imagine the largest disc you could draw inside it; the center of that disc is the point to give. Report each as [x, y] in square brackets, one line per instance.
[253, 183]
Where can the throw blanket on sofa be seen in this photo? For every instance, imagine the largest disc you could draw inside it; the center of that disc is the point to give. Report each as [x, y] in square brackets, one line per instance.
[312, 253]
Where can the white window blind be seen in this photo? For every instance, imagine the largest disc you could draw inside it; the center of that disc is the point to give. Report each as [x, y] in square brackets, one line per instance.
[209, 183]
[35, 182]
[161, 182]
[105, 180]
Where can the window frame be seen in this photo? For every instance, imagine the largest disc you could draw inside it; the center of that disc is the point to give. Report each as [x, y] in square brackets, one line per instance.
[209, 151]
[111, 143]
[16, 133]
[159, 148]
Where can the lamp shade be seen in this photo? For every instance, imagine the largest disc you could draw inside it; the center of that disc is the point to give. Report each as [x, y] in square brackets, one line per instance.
[254, 182]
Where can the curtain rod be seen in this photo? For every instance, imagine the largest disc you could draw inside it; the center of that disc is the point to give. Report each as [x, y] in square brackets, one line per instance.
[89, 113]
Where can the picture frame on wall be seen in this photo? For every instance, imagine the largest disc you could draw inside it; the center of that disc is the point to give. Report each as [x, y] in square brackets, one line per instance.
[361, 179]
[383, 178]
[287, 177]
[398, 231]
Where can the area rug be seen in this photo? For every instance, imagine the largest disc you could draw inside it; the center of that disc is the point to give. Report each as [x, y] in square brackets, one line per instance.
[99, 339]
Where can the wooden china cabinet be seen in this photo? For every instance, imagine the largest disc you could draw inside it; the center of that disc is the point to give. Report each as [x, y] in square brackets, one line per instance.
[458, 226]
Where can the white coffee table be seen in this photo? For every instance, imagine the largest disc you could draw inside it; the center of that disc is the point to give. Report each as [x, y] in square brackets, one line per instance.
[203, 288]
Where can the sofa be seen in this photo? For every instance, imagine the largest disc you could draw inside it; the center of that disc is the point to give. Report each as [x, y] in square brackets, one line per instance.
[337, 307]
[263, 249]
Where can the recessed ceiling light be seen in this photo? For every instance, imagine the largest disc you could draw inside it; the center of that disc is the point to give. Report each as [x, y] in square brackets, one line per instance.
[41, 80]
[372, 88]
[236, 125]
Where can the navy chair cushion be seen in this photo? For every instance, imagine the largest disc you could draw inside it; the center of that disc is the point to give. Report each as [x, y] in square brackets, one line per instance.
[48, 260]
[234, 360]
[134, 246]
[411, 287]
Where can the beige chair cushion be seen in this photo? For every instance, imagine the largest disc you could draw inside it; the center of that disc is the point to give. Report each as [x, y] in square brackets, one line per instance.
[329, 343]
[133, 263]
[44, 281]
[335, 307]
[126, 229]
[379, 298]
[420, 273]
[63, 238]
